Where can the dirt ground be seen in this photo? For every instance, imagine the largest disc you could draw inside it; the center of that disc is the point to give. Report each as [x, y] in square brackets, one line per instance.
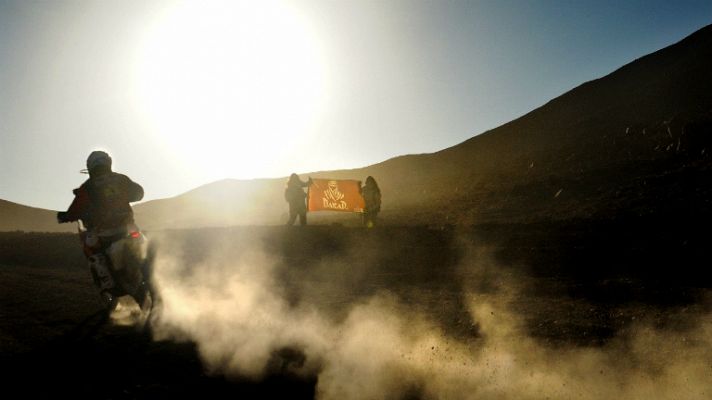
[574, 285]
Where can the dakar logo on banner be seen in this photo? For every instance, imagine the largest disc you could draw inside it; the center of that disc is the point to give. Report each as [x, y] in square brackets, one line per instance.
[335, 195]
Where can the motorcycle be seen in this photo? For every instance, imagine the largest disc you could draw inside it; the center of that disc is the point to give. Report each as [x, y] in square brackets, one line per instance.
[119, 262]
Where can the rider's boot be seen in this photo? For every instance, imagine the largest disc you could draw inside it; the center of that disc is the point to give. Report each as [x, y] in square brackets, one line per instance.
[103, 279]
[109, 300]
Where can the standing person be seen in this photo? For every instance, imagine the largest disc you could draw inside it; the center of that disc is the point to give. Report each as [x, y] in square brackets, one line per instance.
[372, 198]
[296, 197]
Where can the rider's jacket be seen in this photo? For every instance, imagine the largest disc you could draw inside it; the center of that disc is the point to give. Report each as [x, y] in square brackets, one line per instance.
[102, 202]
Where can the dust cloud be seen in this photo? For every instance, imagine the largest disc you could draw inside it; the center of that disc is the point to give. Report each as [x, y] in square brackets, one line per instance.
[233, 306]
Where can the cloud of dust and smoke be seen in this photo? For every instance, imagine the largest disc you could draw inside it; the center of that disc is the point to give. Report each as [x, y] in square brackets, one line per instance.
[238, 314]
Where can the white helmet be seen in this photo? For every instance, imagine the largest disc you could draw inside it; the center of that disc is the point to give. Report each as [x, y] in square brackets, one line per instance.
[98, 158]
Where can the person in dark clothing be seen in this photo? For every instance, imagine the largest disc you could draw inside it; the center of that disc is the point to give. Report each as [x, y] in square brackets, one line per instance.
[372, 198]
[296, 197]
[102, 202]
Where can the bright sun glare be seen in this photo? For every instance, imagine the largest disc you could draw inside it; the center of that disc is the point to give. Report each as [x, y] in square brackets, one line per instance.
[230, 87]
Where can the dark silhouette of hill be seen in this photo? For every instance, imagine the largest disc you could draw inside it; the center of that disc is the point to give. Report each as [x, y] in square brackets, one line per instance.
[16, 217]
[223, 203]
[634, 142]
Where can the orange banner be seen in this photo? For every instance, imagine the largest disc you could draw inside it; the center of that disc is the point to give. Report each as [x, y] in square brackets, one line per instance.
[335, 195]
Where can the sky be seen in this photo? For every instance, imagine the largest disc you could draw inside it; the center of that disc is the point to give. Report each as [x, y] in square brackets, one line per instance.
[182, 94]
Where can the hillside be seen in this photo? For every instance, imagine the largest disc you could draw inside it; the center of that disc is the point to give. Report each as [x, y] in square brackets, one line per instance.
[16, 217]
[636, 141]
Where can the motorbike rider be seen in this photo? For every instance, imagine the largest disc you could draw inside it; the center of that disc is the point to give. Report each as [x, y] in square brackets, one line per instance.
[102, 204]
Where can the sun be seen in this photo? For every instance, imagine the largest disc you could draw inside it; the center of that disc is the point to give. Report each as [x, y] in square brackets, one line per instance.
[231, 86]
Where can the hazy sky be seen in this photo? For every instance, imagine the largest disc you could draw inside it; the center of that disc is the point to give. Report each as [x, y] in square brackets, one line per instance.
[182, 94]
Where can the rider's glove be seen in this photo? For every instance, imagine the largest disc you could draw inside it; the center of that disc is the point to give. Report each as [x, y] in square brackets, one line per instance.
[62, 217]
